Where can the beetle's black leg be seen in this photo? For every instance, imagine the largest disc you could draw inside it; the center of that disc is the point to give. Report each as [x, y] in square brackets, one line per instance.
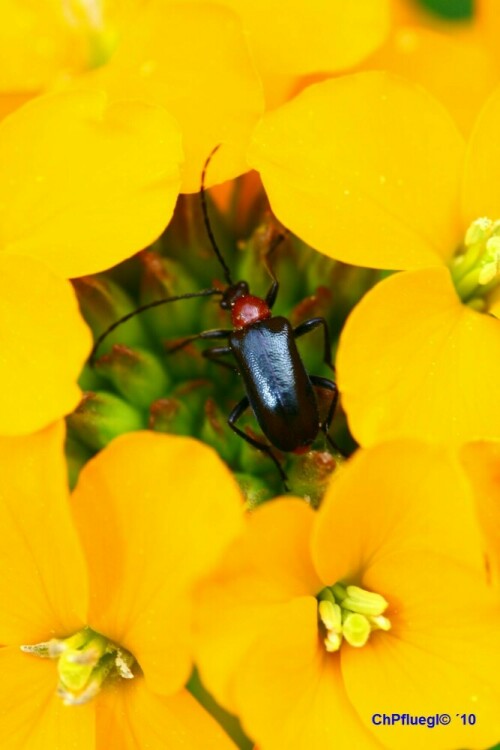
[214, 334]
[215, 352]
[310, 325]
[272, 293]
[237, 412]
[274, 288]
[328, 385]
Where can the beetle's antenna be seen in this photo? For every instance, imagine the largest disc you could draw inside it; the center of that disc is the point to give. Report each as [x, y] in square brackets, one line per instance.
[142, 308]
[211, 237]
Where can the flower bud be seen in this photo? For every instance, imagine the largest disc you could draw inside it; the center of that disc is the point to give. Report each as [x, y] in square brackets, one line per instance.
[100, 417]
[136, 374]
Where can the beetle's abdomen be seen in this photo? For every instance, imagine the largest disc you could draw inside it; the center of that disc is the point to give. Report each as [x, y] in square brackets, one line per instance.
[276, 382]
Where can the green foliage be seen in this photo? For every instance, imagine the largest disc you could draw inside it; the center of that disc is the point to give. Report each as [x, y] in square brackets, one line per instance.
[454, 10]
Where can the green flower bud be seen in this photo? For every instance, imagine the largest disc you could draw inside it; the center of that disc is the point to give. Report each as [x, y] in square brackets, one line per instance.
[100, 417]
[102, 303]
[255, 490]
[216, 432]
[136, 374]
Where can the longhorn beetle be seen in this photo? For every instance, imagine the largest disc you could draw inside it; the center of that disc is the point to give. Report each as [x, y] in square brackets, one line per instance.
[278, 388]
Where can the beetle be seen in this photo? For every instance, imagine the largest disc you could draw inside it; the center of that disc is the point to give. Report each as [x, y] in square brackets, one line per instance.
[263, 349]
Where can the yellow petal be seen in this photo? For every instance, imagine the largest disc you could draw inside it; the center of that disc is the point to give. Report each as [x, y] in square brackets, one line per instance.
[44, 343]
[494, 303]
[399, 497]
[42, 42]
[277, 542]
[326, 35]
[33, 716]
[413, 361]
[392, 675]
[43, 588]
[482, 463]
[432, 60]
[193, 60]
[265, 568]
[482, 163]
[10, 102]
[488, 21]
[365, 168]
[155, 513]
[84, 185]
[290, 692]
[35, 43]
[131, 717]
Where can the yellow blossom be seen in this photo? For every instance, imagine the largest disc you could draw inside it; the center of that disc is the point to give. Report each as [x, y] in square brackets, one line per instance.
[395, 548]
[371, 170]
[454, 66]
[42, 42]
[121, 559]
[193, 60]
[312, 37]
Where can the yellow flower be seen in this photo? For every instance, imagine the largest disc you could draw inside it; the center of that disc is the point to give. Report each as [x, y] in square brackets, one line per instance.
[44, 41]
[207, 65]
[193, 60]
[455, 66]
[310, 38]
[83, 185]
[370, 170]
[102, 588]
[316, 625]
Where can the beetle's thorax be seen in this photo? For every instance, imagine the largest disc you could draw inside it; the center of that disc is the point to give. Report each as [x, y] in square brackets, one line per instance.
[248, 310]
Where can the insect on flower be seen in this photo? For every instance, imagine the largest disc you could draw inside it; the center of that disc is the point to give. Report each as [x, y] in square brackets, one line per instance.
[279, 390]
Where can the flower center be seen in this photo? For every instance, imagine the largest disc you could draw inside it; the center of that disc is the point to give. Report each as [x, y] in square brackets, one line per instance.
[85, 661]
[350, 613]
[476, 269]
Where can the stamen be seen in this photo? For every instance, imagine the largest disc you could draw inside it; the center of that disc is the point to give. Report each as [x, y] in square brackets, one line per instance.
[476, 270]
[356, 630]
[350, 613]
[85, 661]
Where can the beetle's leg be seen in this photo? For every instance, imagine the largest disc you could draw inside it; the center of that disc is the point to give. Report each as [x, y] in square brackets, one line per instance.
[237, 412]
[274, 288]
[328, 385]
[272, 293]
[310, 325]
[215, 352]
[214, 334]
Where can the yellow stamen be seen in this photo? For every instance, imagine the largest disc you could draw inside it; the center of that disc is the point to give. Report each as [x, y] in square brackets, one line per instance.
[476, 270]
[350, 613]
[85, 661]
[356, 629]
